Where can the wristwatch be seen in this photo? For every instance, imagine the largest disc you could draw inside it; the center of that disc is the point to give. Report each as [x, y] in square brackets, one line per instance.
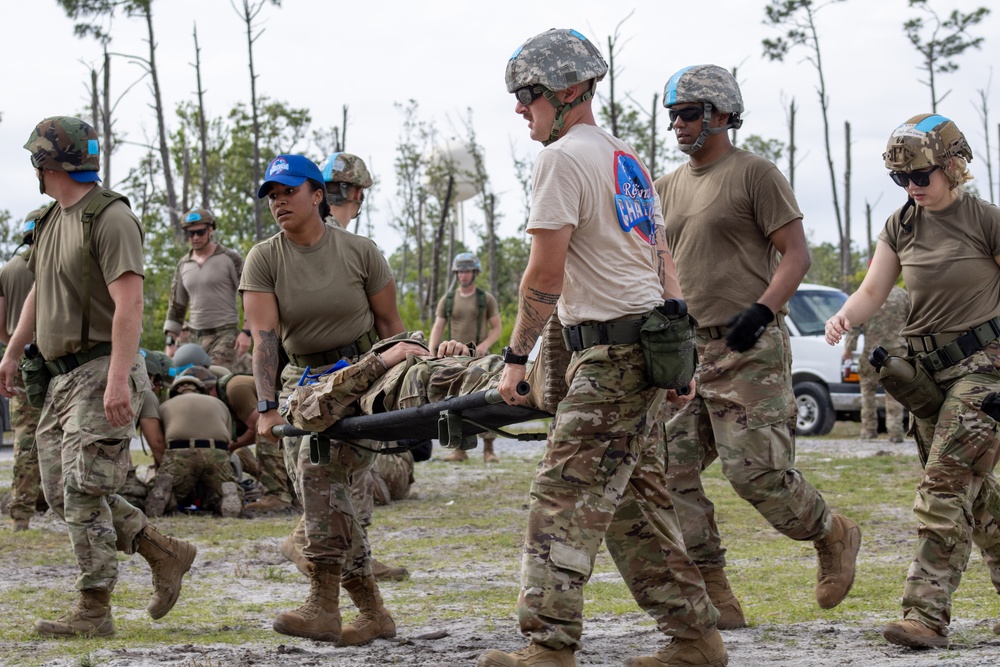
[510, 358]
[266, 406]
[168, 339]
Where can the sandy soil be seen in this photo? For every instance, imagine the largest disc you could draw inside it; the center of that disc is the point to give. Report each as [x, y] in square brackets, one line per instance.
[607, 640]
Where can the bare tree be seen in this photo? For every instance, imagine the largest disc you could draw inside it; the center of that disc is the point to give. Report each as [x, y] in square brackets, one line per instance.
[202, 126]
[845, 242]
[613, 49]
[984, 115]
[947, 40]
[791, 142]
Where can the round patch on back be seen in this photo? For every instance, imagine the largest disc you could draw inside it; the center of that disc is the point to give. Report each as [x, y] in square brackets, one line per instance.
[634, 197]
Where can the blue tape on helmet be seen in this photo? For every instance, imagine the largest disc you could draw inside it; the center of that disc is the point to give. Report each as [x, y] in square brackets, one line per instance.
[670, 94]
[192, 217]
[929, 123]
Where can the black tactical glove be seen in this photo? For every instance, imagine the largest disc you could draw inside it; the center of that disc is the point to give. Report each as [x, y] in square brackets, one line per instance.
[746, 327]
[991, 405]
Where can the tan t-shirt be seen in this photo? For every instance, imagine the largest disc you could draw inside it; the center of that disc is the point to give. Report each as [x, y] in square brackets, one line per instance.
[241, 396]
[150, 408]
[194, 416]
[464, 313]
[948, 264]
[593, 181]
[115, 249]
[15, 283]
[209, 289]
[718, 221]
[322, 290]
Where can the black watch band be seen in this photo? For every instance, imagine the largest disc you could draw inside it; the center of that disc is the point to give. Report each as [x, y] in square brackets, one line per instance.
[266, 406]
[246, 331]
[510, 358]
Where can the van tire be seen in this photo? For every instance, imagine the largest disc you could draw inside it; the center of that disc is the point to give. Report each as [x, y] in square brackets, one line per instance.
[814, 411]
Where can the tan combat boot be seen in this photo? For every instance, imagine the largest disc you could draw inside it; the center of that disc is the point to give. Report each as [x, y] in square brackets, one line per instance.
[383, 572]
[709, 651]
[319, 617]
[456, 456]
[169, 558]
[267, 505]
[90, 616]
[159, 495]
[838, 553]
[373, 620]
[489, 456]
[293, 553]
[535, 655]
[18, 525]
[913, 634]
[730, 612]
[231, 506]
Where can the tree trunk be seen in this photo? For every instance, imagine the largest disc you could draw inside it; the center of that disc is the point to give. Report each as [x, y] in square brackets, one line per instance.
[491, 240]
[342, 141]
[257, 204]
[438, 243]
[791, 143]
[202, 126]
[168, 176]
[95, 113]
[652, 137]
[612, 105]
[109, 141]
[845, 243]
[868, 225]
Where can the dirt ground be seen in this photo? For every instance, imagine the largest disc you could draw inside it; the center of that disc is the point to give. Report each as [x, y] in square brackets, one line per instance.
[607, 639]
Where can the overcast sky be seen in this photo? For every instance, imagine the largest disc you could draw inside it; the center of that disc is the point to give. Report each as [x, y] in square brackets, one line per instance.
[450, 55]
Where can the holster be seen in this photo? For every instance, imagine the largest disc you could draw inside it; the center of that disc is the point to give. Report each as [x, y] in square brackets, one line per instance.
[36, 377]
[668, 346]
[919, 394]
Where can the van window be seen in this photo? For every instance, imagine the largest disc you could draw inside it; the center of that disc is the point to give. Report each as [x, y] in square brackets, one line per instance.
[810, 309]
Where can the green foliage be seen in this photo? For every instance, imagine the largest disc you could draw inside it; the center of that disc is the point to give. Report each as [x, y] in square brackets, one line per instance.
[772, 149]
[825, 268]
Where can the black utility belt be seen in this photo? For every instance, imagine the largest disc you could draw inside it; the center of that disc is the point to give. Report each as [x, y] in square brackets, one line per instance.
[946, 350]
[74, 360]
[213, 330]
[588, 334]
[355, 349]
[198, 444]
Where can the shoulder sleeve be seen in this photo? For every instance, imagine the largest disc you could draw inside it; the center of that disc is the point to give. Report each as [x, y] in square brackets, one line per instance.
[773, 199]
[379, 273]
[116, 238]
[258, 272]
[492, 309]
[991, 224]
[237, 262]
[439, 311]
[890, 233]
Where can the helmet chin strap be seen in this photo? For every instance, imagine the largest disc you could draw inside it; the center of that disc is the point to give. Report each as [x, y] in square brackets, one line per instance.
[562, 108]
[706, 118]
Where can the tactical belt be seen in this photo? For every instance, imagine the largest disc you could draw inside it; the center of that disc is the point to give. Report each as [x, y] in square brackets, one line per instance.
[357, 348]
[715, 333]
[213, 330]
[587, 334]
[946, 350]
[74, 360]
[197, 444]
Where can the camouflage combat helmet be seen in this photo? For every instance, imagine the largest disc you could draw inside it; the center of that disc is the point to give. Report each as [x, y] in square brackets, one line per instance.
[346, 168]
[157, 363]
[713, 86]
[552, 61]
[925, 141]
[181, 380]
[198, 216]
[207, 377]
[63, 143]
[466, 261]
[28, 230]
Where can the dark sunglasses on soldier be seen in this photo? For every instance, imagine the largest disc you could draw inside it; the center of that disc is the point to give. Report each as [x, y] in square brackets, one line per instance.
[528, 94]
[196, 232]
[921, 179]
[687, 114]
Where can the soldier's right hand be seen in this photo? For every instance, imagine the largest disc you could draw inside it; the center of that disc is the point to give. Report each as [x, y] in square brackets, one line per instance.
[8, 373]
[266, 421]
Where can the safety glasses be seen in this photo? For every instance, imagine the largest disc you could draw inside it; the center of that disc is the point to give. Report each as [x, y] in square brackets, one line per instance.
[921, 179]
[686, 114]
[196, 232]
[528, 94]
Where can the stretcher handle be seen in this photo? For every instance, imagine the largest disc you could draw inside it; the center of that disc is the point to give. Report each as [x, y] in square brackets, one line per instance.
[493, 395]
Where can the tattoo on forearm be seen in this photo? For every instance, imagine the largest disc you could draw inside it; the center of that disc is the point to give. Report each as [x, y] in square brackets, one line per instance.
[265, 364]
[661, 267]
[534, 310]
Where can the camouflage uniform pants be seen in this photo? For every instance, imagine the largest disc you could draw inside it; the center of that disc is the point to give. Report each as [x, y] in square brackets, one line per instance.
[743, 414]
[396, 471]
[272, 473]
[26, 486]
[957, 497]
[869, 399]
[221, 347]
[200, 470]
[84, 461]
[602, 477]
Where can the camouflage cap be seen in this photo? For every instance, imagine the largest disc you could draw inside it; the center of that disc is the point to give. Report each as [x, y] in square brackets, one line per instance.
[466, 261]
[346, 168]
[198, 216]
[181, 380]
[556, 59]
[924, 141]
[63, 143]
[704, 83]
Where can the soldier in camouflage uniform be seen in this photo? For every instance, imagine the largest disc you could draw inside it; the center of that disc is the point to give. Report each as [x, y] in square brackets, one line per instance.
[26, 489]
[944, 242]
[205, 282]
[97, 374]
[730, 203]
[881, 329]
[597, 252]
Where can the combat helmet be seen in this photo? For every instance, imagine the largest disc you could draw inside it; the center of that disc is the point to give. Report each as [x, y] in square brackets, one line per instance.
[182, 380]
[28, 230]
[713, 86]
[552, 61]
[925, 141]
[340, 171]
[207, 377]
[466, 261]
[188, 355]
[198, 216]
[63, 143]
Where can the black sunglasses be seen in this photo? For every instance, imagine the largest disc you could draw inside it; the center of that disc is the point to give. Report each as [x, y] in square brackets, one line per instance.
[196, 232]
[528, 94]
[687, 114]
[921, 179]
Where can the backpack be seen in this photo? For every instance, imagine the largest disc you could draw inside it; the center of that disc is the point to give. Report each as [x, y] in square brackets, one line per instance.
[449, 306]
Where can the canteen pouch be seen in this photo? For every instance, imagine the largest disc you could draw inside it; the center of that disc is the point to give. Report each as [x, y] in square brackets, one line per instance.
[919, 394]
[36, 376]
[667, 338]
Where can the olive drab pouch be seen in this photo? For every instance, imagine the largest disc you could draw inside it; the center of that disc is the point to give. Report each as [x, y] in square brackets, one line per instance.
[667, 338]
[36, 376]
[909, 382]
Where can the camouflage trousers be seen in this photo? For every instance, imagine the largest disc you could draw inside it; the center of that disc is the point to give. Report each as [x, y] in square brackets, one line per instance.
[221, 347]
[272, 473]
[84, 461]
[200, 472]
[602, 479]
[870, 399]
[26, 487]
[743, 414]
[387, 480]
[957, 498]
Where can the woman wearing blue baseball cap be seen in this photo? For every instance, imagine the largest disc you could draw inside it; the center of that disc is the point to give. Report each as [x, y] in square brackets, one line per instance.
[324, 295]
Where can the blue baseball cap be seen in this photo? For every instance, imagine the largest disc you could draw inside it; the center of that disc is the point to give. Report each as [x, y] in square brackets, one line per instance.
[289, 170]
